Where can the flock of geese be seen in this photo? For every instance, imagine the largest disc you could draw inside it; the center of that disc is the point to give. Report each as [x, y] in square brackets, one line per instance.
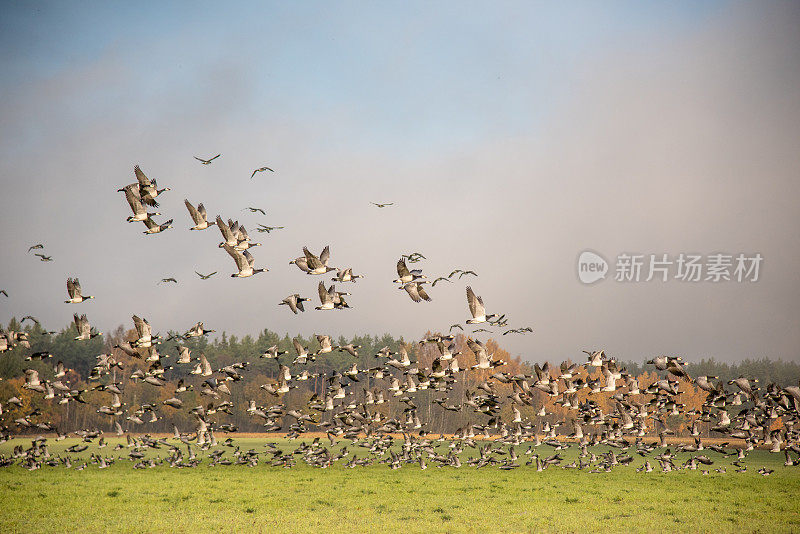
[349, 413]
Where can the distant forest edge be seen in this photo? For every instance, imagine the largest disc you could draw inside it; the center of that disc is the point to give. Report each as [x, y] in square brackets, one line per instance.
[81, 356]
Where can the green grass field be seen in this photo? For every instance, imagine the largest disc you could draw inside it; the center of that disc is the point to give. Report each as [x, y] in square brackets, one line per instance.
[379, 499]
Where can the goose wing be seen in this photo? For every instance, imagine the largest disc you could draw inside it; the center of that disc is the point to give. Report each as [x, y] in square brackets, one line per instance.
[413, 291]
[225, 230]
[144, 181]
[312, 261]
[196, 217]
[423, 294]
[71, 288]
[251, 261]
[242, 262]
[298, 347]
[324, 296]
[133, 198]
[475, 303]
[325, 255]
[402, 269]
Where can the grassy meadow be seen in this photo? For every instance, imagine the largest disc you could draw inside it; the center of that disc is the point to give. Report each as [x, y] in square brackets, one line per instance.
[376, 498]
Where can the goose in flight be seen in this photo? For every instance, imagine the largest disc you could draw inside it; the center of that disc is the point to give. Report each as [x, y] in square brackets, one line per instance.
[257, 210]
[382, 205]
[148, 189]
[154, 228]
[477, 308]
[135, 202]
[301, 264]
[84, 328]
[260, 169]
[405, 275]
[228, 235]
[35, 247]
[207, 161]
[325, 298]
[205, 276]
[295, 302]
[198, 214]
[416, 291]
[74, 291]
[441, 279]
[198, 330]
[166, 280]
[346, 275]
[244, 262]
[42, 257]
[144, 333]
[263, 228]
[318, 264]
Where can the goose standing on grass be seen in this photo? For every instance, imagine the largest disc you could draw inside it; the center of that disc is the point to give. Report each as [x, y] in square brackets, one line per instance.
[477, 308]
[198, 214]
[74, 291]
[84, 328]
[244, 262]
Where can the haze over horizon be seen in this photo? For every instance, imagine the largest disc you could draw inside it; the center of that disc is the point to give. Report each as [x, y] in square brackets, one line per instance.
[510, 139]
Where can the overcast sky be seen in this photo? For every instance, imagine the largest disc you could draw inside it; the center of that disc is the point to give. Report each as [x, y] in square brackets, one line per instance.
[510, 137]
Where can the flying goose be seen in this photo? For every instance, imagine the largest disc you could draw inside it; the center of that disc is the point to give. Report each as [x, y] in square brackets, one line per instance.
[405, 275]
[346, 275]
[35, 247]
[167, 280]
[382, 205]
[260, 169]
[135, 202]
[154, 228]
[74, 291]
[198, 214]
[148, 189]
[416, 291]
[198, 330]
[268, 229]
[477, 308]
[301, 264]
[295, 302]
[84, 328]
[42, 257]
[207, 161]
[244, 262]
[325, 298]
[256, 210]
[302, 353]
[318, 264]
[144, 332]
[205, 276]
[228, 235]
